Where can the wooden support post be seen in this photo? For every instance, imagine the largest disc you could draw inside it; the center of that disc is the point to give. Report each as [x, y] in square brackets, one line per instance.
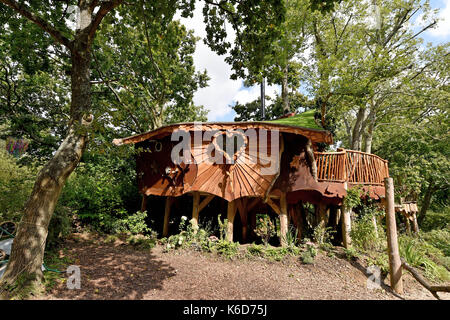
[322, 214]
[144, 203]
[243, 214]
[231, 213]
[395, 264]
[195, 210]
[283, 219]
[346, 226]
[169, 201]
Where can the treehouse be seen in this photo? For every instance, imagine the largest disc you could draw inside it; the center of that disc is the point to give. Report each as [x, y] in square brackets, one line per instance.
[272, 164]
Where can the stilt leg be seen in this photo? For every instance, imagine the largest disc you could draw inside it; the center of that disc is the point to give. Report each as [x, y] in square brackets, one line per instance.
[283, 219]
[231, 212]
[169, 201]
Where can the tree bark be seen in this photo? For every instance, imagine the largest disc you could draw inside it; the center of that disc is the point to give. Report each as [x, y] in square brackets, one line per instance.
[28, 248]
[426, 202]
[284, 91]
[358, 129]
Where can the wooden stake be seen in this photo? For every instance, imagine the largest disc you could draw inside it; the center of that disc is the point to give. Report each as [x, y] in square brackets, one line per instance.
[169, 201]
[283, 219]
[395, 264]
[195, 210]
[231, 212]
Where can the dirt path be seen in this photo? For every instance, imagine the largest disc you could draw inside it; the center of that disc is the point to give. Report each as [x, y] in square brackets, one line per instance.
[117, 271]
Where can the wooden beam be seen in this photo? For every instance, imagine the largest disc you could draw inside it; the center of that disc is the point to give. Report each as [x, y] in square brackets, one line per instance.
[395, 265]
[252, 204]
[415, 224]
[231, 213]
[433, 289]
[283, 219]
[195, 210]
[169, 201]
[273, 205]
[205, 202]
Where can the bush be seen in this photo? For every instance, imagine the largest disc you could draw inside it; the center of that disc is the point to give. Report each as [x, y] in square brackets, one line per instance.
[436, 220]
[103, 195]
[226, 248]
[420, 254]
[265, 228]
[16, 183]
[439, 239]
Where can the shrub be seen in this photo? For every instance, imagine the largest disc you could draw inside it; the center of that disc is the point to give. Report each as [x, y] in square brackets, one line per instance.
[439, 239]
[142, 242]
[265, 228]
[309, 254]
[323, 236]
[16, 183]
[255, 250]
[226, 248]
[436, 220]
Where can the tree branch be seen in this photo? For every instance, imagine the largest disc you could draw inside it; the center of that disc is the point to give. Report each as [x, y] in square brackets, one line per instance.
[105, 8]
[44, 25]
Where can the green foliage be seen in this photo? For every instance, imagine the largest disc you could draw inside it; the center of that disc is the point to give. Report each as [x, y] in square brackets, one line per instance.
[255, 250]
[222, 227]
[323, 235]
[102, 194]
[353, 197]
[291, 238]
[226, 249]
[265, 228]
[439, 239]
[143, 242]
[421, 254]
[436, 220]
[307, 257]
[16, 183]
[60, 227]
[363, 233]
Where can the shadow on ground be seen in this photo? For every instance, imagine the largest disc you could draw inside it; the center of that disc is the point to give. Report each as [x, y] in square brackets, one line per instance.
[115, 272]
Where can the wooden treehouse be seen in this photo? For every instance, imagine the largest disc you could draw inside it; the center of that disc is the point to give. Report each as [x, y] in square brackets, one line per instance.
[273, 165]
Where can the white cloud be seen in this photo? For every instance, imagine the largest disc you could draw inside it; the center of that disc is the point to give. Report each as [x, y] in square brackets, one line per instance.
[222, 91]
[443, 26]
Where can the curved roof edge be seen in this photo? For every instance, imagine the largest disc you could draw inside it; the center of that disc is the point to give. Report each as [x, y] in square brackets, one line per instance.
[315, 135]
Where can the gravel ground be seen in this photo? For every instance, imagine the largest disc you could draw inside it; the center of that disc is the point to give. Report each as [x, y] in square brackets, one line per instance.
[118, 271]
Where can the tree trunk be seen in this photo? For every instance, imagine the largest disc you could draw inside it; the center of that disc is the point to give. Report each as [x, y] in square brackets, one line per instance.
[284, 91]
[358, 129]
[426, 202]
[28, 248]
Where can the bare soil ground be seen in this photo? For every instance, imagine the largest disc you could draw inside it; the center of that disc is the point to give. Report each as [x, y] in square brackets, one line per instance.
[118, 271]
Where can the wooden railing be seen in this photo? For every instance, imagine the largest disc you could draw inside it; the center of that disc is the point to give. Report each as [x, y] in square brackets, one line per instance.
[351, 166]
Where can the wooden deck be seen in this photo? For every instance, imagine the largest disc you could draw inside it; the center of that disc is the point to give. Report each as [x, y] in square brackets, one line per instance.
[353, 167]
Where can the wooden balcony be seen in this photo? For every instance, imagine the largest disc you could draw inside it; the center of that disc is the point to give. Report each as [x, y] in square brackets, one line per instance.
[353, 167]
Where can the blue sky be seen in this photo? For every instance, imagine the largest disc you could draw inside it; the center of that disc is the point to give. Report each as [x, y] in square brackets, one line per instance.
[223, 92]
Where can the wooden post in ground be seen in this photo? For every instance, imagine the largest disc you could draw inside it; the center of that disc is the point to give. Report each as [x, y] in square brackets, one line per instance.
[231, 213]
[283, 219]
[195, 210]
[243, 214]
[169, 201]
[395, 264]
[346, 226]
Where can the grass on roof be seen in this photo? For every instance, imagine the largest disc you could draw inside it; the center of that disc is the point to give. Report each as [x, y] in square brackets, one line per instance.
[305, 120]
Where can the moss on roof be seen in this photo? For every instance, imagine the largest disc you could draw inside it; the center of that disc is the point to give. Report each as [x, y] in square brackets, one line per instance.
[305, 120]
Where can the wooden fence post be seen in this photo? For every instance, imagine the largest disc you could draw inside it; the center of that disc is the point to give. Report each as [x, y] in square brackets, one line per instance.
[395, 264]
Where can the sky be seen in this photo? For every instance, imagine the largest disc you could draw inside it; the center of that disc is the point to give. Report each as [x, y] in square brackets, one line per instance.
[223, 92]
